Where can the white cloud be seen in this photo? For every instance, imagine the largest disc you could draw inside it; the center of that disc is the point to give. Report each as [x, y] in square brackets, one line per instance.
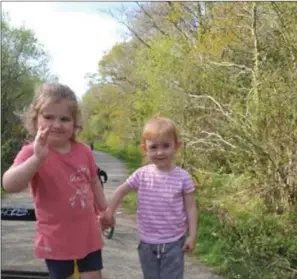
[76, 41]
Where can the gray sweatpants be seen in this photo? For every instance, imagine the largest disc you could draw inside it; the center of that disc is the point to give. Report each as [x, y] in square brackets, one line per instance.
[162, 261]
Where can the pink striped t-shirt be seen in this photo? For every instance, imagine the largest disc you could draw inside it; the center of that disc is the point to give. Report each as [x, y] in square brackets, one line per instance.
[161, 215]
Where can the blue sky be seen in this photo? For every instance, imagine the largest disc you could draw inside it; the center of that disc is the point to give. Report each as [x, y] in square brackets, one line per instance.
[75, 34]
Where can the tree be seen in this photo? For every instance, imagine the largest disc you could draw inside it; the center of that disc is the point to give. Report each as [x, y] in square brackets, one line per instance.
[23, 64]
[226, 73]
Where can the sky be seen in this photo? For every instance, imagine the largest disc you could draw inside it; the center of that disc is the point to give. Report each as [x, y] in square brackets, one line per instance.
[75, 34]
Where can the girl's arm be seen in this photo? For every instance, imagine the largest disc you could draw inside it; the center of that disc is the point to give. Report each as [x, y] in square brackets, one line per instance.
[99, 195]
[191, 209]
[16, 178]
[117, 197]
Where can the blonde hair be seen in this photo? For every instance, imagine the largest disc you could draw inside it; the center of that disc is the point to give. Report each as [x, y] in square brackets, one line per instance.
[48, 93]
[159, 126]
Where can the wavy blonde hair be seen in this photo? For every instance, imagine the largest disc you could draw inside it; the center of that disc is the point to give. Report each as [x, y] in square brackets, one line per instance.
[48, 93]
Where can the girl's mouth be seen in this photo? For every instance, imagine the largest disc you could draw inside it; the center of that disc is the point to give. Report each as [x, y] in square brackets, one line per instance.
[161, 159]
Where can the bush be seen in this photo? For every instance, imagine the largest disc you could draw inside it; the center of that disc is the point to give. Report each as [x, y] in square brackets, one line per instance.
[9, 149]
[243, 238]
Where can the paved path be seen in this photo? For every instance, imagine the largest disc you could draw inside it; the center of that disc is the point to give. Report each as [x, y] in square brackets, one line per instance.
[119, 254]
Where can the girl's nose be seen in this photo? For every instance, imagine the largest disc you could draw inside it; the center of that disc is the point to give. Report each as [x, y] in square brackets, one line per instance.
[159, 151]
[56, 124]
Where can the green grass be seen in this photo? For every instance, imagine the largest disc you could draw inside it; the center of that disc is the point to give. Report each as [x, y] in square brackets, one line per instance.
[3, 192]
[209, 246]
[130, 202]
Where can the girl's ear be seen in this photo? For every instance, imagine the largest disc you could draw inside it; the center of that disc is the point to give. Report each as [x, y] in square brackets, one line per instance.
[143, 148]
[179, 145]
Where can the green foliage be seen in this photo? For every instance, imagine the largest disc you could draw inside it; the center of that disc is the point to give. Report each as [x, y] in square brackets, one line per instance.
[260, 242]
[210, 247]
[23, 64]
[226, 74]
[247, 240]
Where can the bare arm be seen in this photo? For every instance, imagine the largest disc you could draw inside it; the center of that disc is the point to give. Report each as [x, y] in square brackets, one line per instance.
[117, 197]
[190, 206]
[16, 178]
[99, 195]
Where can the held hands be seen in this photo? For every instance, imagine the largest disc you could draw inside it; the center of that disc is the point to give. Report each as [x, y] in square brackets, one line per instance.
[189, 244]
[106, 220]
[41, 147]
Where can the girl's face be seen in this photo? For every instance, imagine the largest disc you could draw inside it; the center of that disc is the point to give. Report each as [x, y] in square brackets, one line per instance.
[160, 151]
[58, 117]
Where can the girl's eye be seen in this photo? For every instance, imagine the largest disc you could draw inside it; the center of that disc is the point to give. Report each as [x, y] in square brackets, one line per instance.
[48, 117]
[65, 119]
[153, 146]
[166, 145]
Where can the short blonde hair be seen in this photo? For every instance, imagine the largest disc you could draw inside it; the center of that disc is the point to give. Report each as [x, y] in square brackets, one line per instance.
[159, 126]
[48, 93]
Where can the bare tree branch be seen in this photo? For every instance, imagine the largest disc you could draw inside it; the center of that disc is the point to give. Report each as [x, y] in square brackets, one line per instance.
[215, 102]
[109, 12]
[229, 64]
[151, 20]
[210, 134]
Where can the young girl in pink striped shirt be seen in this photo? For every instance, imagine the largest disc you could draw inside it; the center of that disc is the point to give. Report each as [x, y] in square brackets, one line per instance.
[166, 208]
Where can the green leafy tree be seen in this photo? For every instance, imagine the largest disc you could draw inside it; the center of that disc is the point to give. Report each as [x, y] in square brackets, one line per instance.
[23, 65]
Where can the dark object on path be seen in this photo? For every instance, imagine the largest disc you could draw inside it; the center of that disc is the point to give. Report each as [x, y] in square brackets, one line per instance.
[92, 146]
[17, 214]
[9, 274]
[102, 176]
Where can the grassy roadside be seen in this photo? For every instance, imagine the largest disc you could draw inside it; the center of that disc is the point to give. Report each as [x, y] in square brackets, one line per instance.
[3, 193]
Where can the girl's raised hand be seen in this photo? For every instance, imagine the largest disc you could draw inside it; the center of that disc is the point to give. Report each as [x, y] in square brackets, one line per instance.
[41, 143]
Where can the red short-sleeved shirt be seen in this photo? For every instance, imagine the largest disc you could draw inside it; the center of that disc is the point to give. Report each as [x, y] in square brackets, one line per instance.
[66, 226]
